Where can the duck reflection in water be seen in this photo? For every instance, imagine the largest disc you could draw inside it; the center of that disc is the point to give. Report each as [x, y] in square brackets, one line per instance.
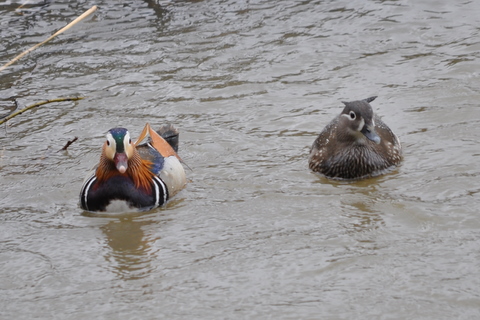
[131, 254]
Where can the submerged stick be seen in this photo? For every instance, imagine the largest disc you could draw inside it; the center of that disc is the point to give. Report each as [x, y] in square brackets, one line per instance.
[24, 4]
[36, 105]
[69, 142]
[68, 26]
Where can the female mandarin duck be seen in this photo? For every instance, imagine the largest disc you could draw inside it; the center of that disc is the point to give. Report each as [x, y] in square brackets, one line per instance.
[133, 175]
[355, 144]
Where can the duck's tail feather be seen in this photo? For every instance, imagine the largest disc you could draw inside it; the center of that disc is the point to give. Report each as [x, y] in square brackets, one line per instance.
[170, 134]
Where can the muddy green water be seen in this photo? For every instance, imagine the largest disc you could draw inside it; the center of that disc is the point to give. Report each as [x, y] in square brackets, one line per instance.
[255, 235]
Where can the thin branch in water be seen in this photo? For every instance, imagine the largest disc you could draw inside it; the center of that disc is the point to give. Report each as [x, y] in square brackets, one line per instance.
[68, 26]
[24, 4]
[36, 105]
[68, 144]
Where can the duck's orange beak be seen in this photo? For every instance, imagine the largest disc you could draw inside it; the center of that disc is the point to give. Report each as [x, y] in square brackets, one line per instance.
[121, 162]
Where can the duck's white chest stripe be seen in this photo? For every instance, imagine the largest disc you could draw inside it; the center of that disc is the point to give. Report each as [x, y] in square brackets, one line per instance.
[86, 188]
[158, 183]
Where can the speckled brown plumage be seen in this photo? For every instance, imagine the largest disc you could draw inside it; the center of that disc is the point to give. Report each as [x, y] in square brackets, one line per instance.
[355, 144]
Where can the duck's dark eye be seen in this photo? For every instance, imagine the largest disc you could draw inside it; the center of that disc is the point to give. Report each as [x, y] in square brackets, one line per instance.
[129, 141]
[108, 143]
[352, 115]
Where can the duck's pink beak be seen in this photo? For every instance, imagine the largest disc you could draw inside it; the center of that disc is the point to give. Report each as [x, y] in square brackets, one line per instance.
[121, 162]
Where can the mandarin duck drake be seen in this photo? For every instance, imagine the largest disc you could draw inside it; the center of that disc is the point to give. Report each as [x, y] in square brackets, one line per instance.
[133, 175]
[356, 144]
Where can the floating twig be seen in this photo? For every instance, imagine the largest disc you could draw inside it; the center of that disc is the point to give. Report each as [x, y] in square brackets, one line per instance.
[24, 4]
[68, 144]
[16, 113]
[68, 26]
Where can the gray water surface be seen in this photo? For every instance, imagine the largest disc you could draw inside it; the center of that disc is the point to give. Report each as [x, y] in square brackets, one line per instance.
[255, 235]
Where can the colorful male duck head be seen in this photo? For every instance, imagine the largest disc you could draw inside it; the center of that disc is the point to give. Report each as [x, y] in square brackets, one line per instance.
[119, 148]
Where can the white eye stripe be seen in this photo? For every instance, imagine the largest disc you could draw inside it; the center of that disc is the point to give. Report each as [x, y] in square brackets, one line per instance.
[110, 141]
[126, 139]
[350, 116]
[127, 136]
[127, 144]
[111, 146]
